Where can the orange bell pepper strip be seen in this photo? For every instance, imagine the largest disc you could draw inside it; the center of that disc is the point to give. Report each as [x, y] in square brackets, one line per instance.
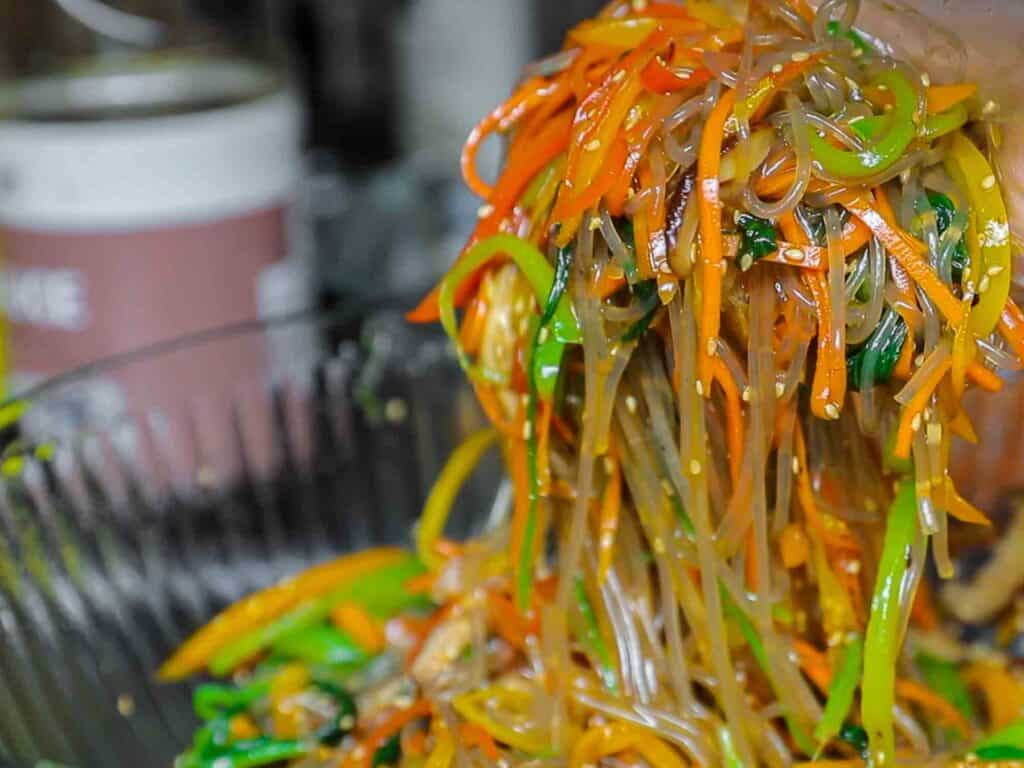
[709, 161]
[522, 166]
[913, 408]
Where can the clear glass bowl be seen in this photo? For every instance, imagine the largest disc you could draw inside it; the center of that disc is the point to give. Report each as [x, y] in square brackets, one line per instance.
[123, 531]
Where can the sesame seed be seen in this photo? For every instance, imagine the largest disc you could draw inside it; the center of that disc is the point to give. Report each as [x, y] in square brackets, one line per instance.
[619, 76]
[832, 411]
[700, 387]
[984, 283]
[995, 269]
[853, 566]
[800, 56]
[988, 182]
[694, 467]
[969, 286]
[747, 394]
[126, 705]
[794, 254]
[919, 360]
[990, 108]
[746, 261]
[882, 87]
[933, 434]
[527, 430]
[858, 52]
[592, 146]
[888, 108]
[595, 224]
[395, 410]
[484, 211]
[967, 273]
[631, 404]
[711, 347]
[776, 68]
[915, 423]
[926, 81]
[609, 465]
[543, 335]
[780, 389]
[796, 466]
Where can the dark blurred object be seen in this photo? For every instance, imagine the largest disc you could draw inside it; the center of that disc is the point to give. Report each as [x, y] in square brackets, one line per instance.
[553, 20]
[344, 59]
[123, 543]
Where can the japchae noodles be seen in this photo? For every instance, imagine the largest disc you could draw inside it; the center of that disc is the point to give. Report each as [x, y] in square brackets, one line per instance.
[720, 308]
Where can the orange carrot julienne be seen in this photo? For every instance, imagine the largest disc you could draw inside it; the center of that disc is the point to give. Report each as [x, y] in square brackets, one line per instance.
[917, 267]
[392, 725]
[928, 699]
[709, 162]
[905, 364]
[1011, 326]
[828, 388]
[733, 417]
[913, 408]
[983, 377]
[611, 506]
[473, 735]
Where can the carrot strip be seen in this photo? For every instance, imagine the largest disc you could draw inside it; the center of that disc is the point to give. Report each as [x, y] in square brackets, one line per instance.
[425, 629]
[828, 388]
[614, 166]
[733, 417]
[916, 266]
[833, 532]
[471, 334]
[508, 623]
[709, 161]
[1011, 325]
[904, 368]
[392, 725]
[983, 377]
[928, 699]
[473, 735]
[914, 407]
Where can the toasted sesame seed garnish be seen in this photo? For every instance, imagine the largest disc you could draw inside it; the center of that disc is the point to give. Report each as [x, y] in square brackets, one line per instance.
[595, 224]
[780, 389]
[694, 467]
[746, 261]
[969, 286]
[990, 108]
[776, 68]
[593, 145]
[926, 81]
[711, 347]
[988, 182]
[882, 87]
[858, 52]
[527, 430]
[794, 254]
[919, 360]
[542, 335]
[700, 387]
[915, 423]
[484, 211]
[853, 566]
[747, 394]
[796, 466]
[619, 76]
[832, 411]
[995, 269]
[631, 404]
[967, 273]
[800, 56]
[984, 283]
[609, 465]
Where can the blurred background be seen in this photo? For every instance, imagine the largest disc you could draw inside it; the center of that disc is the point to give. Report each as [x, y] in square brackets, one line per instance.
[173, 166]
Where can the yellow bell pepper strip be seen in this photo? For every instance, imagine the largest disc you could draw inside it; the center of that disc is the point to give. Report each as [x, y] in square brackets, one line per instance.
[443, 754]
[269, 604]
[1004, 696]
[840, 692]
[446, 488]
[564, 328]
[618, 736]
[988, 228]
[880, 646]
[382, 590]
[357, 622]
[623, 34]
[859, 164]
[480, 707]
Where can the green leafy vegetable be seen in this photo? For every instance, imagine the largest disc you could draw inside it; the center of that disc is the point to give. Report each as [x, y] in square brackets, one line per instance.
[758, 238]
[876, 359]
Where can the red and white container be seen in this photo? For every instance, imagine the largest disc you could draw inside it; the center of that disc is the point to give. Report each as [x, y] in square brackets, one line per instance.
[141, 207]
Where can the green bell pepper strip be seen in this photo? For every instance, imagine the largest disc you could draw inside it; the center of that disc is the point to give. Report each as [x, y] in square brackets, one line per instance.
[988, 231]
[934, 125]
[840, 692]
[383, 594]
[1000, 753]
[592, 641]
[749, 632]
[213, 700]
[255, 752]
[535, 268]
[858, 164]
[389, 753]
[880, 645]
[543, 369]
[943, 677]
[1010, 736]
[321, 644]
